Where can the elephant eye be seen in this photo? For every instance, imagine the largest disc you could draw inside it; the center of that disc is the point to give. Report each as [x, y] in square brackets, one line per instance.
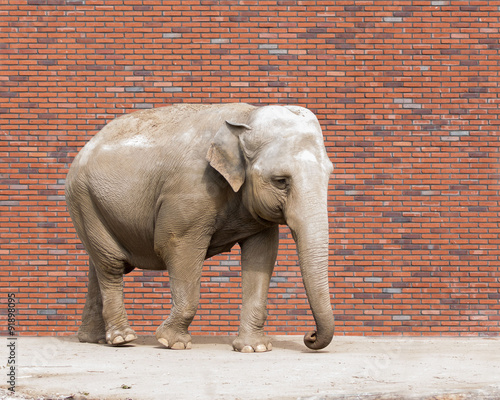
[280, 183]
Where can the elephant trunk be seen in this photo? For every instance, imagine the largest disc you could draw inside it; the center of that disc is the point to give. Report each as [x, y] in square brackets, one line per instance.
[310, 232]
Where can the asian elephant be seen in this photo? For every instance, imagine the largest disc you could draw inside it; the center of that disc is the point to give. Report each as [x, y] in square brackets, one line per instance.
[167, 188]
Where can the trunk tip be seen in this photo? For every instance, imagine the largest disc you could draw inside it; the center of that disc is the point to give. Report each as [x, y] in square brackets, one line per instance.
[312, 342]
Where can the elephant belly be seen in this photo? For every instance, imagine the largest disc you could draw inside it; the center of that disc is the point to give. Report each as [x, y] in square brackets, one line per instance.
[141, 261]
[139, 248]
[128, 218]
[213, 250]
[231, 233]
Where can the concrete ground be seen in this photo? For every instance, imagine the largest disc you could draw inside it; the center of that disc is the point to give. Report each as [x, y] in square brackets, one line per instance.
[350, 368]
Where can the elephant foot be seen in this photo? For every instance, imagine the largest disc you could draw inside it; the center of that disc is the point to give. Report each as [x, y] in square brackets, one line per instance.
[173, 339]
[90, 335]
[120, 336]
[252, 344]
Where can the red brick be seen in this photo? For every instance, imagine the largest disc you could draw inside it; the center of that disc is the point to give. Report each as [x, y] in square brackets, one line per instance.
[408, 99]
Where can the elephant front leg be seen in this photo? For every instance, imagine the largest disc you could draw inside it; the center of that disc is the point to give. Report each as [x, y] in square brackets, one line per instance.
[258, 256]
[184, 267]
[173, 333]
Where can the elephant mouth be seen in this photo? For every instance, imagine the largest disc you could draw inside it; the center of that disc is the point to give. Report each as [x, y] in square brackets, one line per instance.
[270, 219]
[272, 215]
[262, 212]
[267, 222]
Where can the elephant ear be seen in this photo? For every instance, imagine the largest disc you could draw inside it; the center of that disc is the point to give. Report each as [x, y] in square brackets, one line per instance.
[225, 156]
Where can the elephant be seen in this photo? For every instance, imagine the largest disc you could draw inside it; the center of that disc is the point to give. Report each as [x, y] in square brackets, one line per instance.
[168, 187]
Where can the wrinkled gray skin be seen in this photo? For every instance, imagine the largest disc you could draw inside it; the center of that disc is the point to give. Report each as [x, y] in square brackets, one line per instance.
[170, 187]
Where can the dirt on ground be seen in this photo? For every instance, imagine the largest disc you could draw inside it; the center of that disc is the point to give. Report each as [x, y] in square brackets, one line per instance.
[350, 368]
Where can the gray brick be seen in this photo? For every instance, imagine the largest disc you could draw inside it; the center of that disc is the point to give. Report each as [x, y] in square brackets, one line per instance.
[401, 318]
[144, 106]
[66, 301]
[268, 46]
[412, 105]
[9, 203]
[278, 51]
[219, 41]
[56, 198]
[403, 101]
[46, 312]
[172, 89]
[230, 263]
[171, 35]
[450, 138]
[219, 279]
[373, 279]
[393, 19]
[134, 89]
[392, 290]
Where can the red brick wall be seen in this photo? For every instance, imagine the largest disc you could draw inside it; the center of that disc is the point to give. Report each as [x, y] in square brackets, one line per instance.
[408, 97]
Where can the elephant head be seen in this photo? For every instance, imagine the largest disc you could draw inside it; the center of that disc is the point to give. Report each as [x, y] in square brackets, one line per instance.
[277, 158]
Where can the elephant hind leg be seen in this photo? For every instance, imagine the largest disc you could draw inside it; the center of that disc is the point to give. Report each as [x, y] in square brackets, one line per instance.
[92, 329]
[118, 330]
[104, 305]
[104, 318]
